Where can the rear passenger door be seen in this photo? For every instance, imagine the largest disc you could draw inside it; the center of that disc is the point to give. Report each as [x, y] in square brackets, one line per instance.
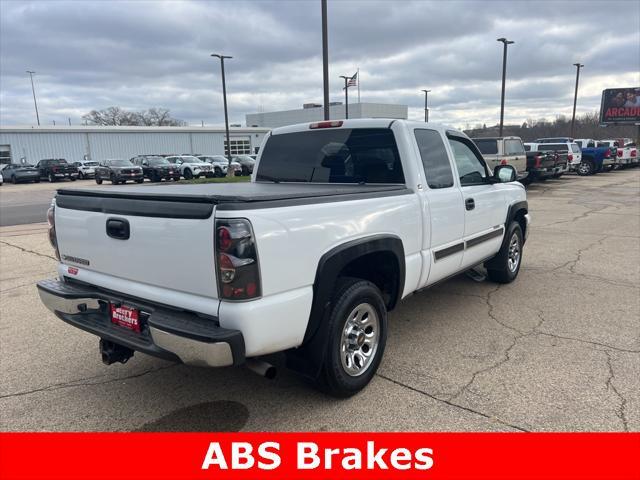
[484, 205]
[442, 209]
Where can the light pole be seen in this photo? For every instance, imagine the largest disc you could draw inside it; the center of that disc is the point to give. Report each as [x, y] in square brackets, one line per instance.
[33, 90]
[325, 59]
[504, 76]
[575, 98]
[226, 115]
[346, 95]
[426, 108]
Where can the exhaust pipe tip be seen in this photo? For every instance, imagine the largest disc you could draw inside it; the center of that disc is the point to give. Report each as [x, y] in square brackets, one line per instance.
[262, 368]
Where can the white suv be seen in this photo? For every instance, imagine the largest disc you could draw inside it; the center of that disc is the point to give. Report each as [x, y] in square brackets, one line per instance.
[191, 166]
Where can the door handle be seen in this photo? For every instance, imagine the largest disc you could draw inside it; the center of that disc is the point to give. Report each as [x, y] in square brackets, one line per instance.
[118, 228]
[469, 204]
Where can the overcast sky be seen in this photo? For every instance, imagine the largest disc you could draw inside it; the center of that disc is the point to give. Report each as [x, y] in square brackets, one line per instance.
[142, 54]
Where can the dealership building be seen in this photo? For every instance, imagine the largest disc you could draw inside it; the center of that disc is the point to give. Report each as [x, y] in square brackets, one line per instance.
[313, 112]
[74, 143]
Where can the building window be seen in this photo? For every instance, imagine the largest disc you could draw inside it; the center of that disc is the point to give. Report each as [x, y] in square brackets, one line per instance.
[238, 147]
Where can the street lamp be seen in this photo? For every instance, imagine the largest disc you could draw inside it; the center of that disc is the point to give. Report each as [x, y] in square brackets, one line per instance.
[33, 90]
[504, 75]
[325, 59]
[575, 98]
[226, 115]
[426, 108]
[346, 95]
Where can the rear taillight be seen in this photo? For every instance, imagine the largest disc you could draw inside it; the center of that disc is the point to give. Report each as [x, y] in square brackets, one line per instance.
[620, 152]
[236, 260]
[607, 154]
[570, 157]
[51, 220]
[503, 162]
[329, 124]
[538, 160]
[634, 153]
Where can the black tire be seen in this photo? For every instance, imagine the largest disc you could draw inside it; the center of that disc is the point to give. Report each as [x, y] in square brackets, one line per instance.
[98, 180]
[81, 175]
[585, 168]
[37, 180]
[353, 295]
[140, 180]
[51, 178]
[499, 268]
[73, 179]
[14, 180]
[217, 172]
[188, 174]
[113, 180]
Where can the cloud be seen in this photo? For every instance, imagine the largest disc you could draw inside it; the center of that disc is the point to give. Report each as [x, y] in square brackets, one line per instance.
[141, 54]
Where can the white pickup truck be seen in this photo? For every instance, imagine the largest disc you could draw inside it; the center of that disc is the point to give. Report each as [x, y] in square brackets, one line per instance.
[342, 220]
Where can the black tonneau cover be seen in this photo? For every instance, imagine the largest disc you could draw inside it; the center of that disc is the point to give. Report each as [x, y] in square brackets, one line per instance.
[139, 200]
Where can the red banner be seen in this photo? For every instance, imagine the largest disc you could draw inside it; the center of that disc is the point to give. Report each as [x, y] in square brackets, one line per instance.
[320, 455]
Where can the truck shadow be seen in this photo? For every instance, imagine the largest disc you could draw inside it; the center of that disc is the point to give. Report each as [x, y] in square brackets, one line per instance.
[216, 416]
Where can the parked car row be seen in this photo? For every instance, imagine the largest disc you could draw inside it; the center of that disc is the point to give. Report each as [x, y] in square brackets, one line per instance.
[553, 157]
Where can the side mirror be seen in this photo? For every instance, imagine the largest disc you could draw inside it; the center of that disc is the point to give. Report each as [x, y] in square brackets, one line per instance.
[505, 174]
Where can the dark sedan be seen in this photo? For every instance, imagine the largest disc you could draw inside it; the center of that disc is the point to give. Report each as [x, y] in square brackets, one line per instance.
[246, 162]
[17, 173]
[118, 171]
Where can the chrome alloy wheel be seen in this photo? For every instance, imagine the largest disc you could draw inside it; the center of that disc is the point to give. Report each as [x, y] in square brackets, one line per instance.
[513, 257]
[584, 168]
[360, 338]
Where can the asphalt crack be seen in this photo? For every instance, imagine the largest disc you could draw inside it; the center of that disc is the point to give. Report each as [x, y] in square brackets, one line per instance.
[452, 404]
[28, 251]
[621, 410]
[84, 383]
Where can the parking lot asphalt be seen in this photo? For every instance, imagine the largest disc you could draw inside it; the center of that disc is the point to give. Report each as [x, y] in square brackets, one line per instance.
[557, 350]
[27, 203]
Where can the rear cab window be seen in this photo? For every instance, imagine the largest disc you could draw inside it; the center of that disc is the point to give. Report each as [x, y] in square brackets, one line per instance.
[575, 148]
[340, 155]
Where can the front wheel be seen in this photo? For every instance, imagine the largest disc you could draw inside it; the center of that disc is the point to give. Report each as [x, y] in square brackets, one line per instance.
[98, 180]
[504, 267]
[188, 175]
[51, 178]
[114, 181]
[357, 331]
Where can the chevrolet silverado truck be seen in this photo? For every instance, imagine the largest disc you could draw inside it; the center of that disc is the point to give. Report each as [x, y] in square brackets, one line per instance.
[341, 221]
[540, 165]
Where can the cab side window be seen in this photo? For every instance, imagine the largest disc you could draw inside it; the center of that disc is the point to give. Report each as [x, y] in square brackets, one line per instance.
[437, 167]
[471, 167]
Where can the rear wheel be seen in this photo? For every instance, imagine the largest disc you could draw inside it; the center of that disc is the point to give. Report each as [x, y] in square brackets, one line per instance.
[585, 168]
[357, 337]
[504, 267]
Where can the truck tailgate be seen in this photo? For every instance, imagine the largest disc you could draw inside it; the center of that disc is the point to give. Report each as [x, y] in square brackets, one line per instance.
[169, 242]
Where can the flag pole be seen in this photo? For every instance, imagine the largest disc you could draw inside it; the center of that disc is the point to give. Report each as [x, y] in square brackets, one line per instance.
[358, 84]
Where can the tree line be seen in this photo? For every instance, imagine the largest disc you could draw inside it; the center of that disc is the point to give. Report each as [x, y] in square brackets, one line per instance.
[586, 126]
[116, 116]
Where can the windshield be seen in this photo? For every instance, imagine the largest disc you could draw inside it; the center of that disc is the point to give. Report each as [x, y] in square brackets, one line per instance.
[487, 146]
[119, 163]
[90, 164]
[157, 161]
[363, 155]
[190, 159]
[58, 161]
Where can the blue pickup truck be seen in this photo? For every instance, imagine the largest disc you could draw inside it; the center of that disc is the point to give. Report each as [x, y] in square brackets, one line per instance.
[593, 159]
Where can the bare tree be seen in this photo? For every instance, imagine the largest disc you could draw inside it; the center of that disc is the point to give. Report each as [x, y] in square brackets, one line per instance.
[116, 116]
